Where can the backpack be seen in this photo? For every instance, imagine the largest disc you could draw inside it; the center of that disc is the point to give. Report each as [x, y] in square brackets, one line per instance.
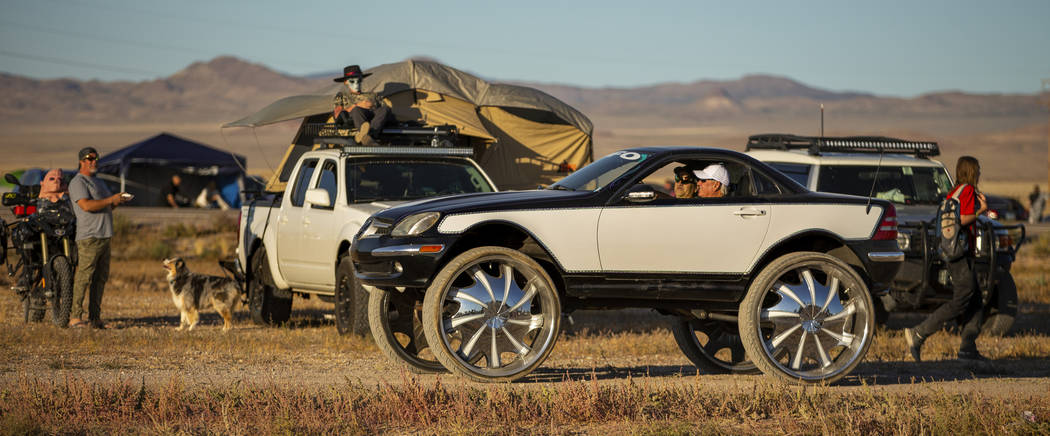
[954, 241]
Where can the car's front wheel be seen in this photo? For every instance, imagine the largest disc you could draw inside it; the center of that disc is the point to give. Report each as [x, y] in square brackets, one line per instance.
[714, 346]
[807, 318]
[1001, 311]
[351, 300]
[492, 314]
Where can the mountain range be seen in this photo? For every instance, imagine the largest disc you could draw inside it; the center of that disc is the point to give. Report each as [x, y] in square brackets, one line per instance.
[195, 100]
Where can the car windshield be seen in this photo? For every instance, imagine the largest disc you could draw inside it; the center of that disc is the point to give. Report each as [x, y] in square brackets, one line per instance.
[400, 180]
[601, 172]
[901, 185]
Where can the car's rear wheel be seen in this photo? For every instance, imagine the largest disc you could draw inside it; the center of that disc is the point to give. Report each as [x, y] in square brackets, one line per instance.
[265, 306]
[807, 318]
[714, 346]
[1001, 312]
[492, 314]
[396, 320]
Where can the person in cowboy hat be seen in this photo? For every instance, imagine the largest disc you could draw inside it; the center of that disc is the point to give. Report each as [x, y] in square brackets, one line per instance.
[361, 110]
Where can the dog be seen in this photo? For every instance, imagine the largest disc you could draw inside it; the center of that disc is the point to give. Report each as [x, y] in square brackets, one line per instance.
[190, 291]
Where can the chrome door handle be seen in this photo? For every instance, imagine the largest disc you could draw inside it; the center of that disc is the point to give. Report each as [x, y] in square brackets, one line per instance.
[749, 212]
[283, 219]
[306, 221]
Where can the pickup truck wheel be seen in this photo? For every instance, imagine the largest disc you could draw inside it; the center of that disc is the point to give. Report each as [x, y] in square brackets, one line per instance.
[265, 307]
[713, 346]
[492, 314]
[351, 301]
[1000, 313]
[396, 320]
[807, 318]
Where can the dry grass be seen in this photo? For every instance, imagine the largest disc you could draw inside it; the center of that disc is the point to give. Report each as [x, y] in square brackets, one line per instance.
[611, 373]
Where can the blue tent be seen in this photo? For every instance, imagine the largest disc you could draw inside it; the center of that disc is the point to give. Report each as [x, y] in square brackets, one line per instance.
[145, 168]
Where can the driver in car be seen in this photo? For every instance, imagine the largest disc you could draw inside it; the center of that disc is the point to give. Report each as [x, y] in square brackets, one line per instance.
[712, 181]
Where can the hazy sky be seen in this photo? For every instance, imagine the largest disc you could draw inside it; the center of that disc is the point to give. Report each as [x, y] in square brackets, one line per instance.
[901, 48]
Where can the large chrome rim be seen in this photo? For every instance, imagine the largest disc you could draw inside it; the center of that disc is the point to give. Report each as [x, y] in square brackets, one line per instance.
[499, 316]
[815, 320]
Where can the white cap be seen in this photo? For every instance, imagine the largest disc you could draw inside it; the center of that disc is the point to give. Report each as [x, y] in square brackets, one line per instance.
[714, 172]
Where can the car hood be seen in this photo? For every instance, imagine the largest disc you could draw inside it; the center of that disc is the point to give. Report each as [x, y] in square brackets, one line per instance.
[482, 202]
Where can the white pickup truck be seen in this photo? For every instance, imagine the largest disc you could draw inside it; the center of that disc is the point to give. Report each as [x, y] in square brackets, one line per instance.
[297, 242]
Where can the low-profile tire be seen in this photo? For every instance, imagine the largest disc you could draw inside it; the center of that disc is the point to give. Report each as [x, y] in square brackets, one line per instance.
[351, 301]
[492, 314]
[1001, 312]
[265, 307]
[396, 321]
[61, 290]
[807, 318]
[713, 346]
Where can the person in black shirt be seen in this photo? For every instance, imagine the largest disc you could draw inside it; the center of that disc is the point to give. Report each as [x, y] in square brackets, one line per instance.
[172, 196]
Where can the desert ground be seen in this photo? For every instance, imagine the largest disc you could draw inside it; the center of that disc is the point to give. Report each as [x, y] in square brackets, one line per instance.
[610, 373]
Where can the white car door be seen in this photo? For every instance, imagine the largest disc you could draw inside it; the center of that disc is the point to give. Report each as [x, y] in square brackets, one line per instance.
[694, 237]
[321, 230]
[291, 252]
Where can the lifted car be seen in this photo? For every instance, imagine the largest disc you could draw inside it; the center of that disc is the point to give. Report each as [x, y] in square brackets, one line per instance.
[789, 271]
[903, 172]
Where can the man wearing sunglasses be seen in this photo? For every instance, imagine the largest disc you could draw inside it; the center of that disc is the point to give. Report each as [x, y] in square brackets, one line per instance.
[361, 110]
[94, 211]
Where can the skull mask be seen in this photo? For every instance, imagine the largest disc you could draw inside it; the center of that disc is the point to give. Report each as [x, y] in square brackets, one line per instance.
[354, 84]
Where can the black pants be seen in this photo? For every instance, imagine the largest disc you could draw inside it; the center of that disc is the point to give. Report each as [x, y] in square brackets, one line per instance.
[965, 306]
[358, 116]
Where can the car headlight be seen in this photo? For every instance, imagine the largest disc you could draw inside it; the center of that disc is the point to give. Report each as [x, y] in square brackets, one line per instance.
[415, 224]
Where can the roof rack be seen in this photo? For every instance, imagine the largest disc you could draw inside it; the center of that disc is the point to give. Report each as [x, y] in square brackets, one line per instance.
[848, 144]
[350, 147]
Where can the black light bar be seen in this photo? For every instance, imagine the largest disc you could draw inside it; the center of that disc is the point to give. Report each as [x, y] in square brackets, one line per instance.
[846, 144]
[350, 147]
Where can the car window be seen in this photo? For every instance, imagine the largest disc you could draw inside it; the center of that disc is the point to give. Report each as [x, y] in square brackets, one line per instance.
[327, 180]
[669, 185]
[764, 185]
[797, 172]
[302, 181]
[371, 180]
[600, 173]
[899, 184]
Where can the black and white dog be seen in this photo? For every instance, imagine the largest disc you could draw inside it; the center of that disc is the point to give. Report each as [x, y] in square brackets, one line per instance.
[190, 291]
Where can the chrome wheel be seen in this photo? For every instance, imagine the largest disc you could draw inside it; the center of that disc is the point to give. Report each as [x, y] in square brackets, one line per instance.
[807, 317]
[492, 314]
[713, 346]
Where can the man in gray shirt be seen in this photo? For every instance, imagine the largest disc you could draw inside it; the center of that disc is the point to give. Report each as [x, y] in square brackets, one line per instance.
[94, 211]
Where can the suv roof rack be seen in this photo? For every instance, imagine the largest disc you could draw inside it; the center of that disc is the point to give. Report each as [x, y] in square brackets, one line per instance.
[349, 146]
[848, 144]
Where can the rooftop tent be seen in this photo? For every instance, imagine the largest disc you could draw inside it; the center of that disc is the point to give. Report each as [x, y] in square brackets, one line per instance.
[145, 168]
[522, 136]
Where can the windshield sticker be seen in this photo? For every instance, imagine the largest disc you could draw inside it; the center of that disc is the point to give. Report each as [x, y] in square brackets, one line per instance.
[907, 171]
[629, 155]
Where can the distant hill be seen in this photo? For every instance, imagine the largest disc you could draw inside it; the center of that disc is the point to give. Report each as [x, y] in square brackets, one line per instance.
[1006, 130]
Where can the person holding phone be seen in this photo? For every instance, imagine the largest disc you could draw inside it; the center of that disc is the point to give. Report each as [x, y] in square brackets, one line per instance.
[93, 207]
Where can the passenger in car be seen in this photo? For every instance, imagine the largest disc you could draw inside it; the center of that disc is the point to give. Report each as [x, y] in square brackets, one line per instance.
[684, 182]
[713, 181]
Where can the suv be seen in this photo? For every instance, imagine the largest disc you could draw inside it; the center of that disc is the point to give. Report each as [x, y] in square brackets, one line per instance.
[902, 172]
[789, 273]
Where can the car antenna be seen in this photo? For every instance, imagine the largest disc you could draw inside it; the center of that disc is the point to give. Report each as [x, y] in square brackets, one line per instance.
[874, 180]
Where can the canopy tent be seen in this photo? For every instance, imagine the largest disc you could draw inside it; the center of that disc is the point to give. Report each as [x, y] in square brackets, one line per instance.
[145, 168]
[522, 136]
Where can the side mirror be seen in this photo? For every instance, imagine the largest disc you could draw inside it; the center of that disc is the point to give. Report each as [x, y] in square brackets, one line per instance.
[318, 197]
[10, 178]
[640, 194]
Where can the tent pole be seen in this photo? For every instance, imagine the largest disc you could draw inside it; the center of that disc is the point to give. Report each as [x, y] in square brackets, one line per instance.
[123, 173]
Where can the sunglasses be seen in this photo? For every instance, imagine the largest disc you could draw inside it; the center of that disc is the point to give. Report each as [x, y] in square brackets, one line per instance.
[91, 158]
[684, 178]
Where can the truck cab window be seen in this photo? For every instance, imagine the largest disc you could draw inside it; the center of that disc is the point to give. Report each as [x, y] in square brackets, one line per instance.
[328, 181]
[302, 182]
